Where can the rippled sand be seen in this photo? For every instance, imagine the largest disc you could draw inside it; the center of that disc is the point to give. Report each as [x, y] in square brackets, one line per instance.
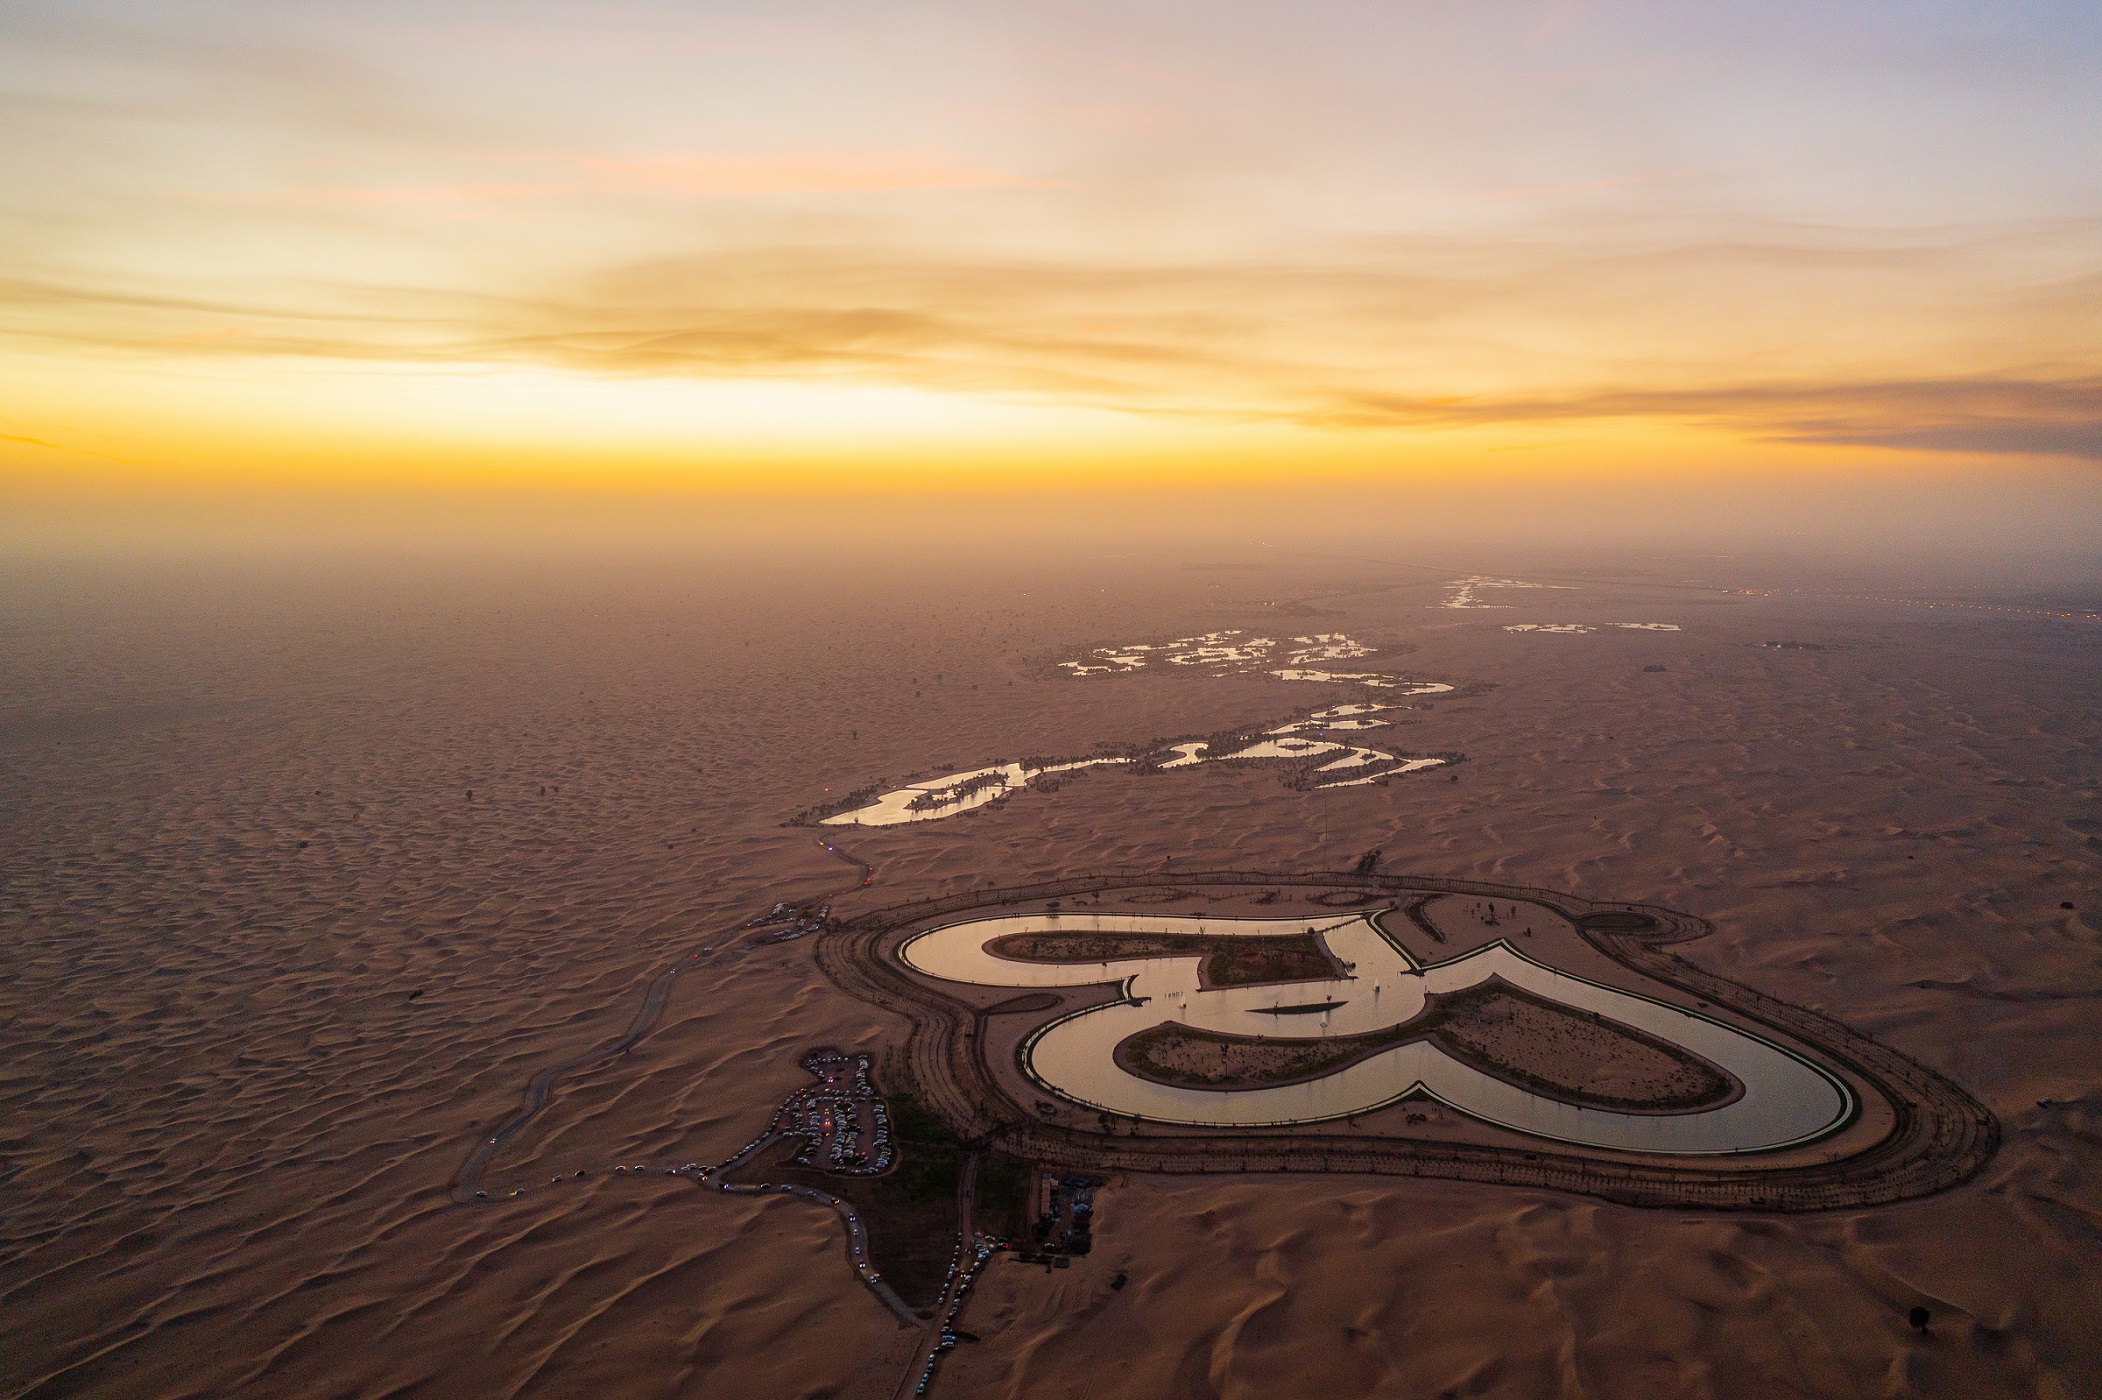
[229, 1126]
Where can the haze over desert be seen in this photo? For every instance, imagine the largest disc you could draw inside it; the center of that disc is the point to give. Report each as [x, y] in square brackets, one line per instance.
[310, 876]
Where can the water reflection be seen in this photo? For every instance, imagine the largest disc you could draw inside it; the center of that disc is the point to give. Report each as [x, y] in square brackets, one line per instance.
[1786, 1100]
[946, 796]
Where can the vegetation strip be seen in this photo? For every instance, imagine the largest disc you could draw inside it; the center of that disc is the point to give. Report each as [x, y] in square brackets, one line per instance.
[1228, 962]
[1167, 1054]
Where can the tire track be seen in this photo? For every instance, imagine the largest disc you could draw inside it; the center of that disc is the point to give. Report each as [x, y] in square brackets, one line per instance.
[539, 1092]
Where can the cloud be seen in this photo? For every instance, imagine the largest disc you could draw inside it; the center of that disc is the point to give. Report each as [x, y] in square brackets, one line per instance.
[2074, 439]
[798, 174]
[168, 76]
[381, 196]
[1783, 342]
[703, 175]
[1985, 415]
[1324, 342]
[69, 451]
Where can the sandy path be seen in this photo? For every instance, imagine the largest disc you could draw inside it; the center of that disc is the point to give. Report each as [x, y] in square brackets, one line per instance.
[467, 1185]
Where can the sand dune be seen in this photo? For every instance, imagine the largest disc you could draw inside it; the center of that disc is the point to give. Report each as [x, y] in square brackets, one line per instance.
[241, 1071]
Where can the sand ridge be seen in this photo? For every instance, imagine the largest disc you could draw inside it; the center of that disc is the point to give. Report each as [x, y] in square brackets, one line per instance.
[231, 1129]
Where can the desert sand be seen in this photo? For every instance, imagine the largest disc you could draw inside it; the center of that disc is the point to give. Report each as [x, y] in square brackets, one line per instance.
[306, 872]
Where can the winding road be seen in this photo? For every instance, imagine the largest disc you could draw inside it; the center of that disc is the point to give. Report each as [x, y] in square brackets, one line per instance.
[971, 1254]
[467, 1184]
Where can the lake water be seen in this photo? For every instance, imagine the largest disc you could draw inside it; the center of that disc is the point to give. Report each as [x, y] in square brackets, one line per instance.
[1786, 1099]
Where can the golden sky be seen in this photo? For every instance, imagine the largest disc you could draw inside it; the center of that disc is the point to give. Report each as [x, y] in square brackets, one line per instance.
[702, 245]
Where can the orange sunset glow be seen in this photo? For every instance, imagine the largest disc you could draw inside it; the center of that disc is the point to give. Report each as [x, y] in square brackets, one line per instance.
[296, 247]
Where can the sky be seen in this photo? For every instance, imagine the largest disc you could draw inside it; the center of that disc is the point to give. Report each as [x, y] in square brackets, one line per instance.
[871, 246]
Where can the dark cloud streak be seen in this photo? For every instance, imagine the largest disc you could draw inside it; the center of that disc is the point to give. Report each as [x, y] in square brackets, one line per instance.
[1978, 415]
[1321, 344]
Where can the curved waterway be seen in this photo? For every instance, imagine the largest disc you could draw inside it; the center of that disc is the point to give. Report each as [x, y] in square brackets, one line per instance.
[1786, 1099]
[951, 793]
